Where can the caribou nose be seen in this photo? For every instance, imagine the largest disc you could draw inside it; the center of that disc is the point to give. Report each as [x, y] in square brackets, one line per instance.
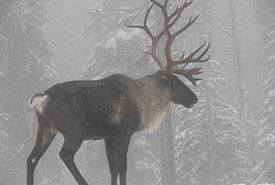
[195, 100]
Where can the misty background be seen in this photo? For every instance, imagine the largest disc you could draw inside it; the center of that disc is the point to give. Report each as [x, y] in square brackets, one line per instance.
[227, 138]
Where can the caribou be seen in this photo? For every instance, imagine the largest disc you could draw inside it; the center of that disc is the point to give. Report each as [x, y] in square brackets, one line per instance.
[115, 107]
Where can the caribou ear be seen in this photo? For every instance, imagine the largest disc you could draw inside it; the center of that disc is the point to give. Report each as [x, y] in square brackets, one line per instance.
[163, 79]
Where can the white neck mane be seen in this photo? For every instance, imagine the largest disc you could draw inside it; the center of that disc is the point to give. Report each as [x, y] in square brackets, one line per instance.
[153, 101]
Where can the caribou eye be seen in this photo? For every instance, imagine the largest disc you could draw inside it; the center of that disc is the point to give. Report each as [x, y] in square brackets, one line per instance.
[163, 79]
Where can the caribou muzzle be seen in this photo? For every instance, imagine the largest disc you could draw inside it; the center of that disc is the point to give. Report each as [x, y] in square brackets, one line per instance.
[190, 102]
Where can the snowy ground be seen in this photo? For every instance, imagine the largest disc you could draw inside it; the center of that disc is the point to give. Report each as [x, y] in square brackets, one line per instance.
[257, 184]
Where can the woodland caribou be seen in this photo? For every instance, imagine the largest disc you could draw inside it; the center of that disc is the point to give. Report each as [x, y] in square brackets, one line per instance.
[115, 107]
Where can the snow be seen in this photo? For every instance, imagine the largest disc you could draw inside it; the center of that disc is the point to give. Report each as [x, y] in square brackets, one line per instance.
[111, 43]
[271, 93]
[264, 184]
[122, 35]
[49, 75]
[270, 138]
[272, 58]
[266, 101]
[269, 45]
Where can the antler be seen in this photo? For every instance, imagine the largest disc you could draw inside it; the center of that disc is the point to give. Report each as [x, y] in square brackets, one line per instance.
[155, 39]
[169, 21]
[188, 73]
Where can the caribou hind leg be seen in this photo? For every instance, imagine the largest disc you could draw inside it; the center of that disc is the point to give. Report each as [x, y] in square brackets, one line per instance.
[43, 140]
[67, 153]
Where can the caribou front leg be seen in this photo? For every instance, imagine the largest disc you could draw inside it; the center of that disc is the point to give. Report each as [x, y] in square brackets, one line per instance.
[111, 156]
[121, 148]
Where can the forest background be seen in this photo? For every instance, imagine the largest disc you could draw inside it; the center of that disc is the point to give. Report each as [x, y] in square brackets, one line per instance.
[227, 138]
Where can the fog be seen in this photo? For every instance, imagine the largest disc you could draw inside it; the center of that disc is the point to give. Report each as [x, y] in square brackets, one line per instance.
[227, 138]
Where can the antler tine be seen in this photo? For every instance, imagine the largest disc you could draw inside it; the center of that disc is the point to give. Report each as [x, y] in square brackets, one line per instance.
[178, 12]
[165, 3]
[199, 59]
[190, 23]
[171, 37]
[189, 73]
[162, 7]
[144, 27]
[185, 5]
[154, 39]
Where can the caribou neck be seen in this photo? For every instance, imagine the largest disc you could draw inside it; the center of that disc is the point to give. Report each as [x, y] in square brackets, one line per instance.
[152, 104]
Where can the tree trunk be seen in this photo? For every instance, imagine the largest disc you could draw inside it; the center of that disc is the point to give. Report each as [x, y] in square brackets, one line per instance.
[168, 172]
[212, 144]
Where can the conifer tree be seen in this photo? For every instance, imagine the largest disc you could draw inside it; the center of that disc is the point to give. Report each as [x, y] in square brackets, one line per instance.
[26, 68]
[264, 170]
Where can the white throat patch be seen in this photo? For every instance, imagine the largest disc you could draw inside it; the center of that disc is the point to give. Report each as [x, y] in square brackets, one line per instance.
[150, 122]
